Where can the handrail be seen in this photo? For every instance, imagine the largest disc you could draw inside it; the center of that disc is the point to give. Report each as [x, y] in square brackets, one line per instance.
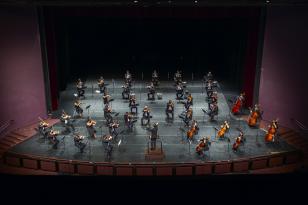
[5, 125]
[300, 125]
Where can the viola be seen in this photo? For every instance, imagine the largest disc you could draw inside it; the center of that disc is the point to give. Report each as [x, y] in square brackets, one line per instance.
[224, 128]
[271, 132]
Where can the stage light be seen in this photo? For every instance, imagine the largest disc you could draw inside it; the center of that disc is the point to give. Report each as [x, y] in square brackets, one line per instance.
[268, 1]
[135, 1]
[169, 2]
[196, 2]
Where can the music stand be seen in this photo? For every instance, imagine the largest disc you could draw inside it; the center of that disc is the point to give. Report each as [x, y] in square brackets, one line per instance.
[88, 108]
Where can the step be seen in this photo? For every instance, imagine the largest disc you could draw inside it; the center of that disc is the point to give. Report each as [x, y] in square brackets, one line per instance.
[14, 141]
[6, 143]
[297, 141]
[286, 132]
[4, 147]
[21, 135]
[289, 136]
[15, 137]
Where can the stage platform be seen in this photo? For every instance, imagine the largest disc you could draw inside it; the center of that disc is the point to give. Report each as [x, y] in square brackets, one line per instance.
[133, 144]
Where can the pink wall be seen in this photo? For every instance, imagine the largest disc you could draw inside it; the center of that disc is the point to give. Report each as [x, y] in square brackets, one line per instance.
[22, 93]
[284, 76]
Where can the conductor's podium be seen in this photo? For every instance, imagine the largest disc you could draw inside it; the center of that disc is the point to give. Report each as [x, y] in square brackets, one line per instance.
[157, 154]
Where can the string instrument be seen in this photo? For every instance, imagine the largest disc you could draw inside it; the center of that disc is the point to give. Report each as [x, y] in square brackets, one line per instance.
[77, 104]
[101, 82]
[238, 141]
[65, 116]
[192, 131]
[223, 129]
[53, 133]
[253, 117]
[200, 147]
[170, 106]
[271, 132]
[189, 113]
[238, 104]
[91, 123]
[189, 98]
[43, 123]
[115, 125]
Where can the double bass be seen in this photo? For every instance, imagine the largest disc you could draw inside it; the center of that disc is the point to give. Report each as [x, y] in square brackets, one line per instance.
[254, 116]
[238, 141]
[223, 129]
[272, 131]
[238, 104]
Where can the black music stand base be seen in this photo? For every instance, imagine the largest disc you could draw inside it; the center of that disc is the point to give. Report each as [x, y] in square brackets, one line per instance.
[157, 154]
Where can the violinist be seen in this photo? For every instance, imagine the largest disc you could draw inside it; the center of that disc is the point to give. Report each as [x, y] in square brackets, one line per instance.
[146, 115]
[132, 103]
[223, 129]
[238, 104]
[90, 127]
[129, 120]
[78, 142]
[193, 130]
[126, 91]
[43, 128]
[189, 101]
[271, 133]
[128, 78]
[151, 92]
[203, 145]
[106, 97]
[52, 136]
[178, 77]
[170, 109]
[78, 108]
[238, 141]
[101, 84]
[255, 116]
[212, 111]
[155, 78]
[80, 88]
[179, 91]
[113, 128]
[67, 122]
[107, 113]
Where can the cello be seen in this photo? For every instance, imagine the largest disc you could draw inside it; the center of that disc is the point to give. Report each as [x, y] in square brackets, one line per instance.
[203, 145]
[223, 129]
[254, 116]
[238, 104]
[238, 141]
[192, 131]
[272, 131]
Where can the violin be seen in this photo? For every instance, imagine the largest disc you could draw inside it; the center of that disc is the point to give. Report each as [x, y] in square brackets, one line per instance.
[223, 129]
[91, 123]
[271, 132]
[254, 116]
[238, 104]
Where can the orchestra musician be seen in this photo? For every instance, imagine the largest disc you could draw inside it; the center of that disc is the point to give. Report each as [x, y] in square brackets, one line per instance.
[189, 101]
[113, 128]
[126, 91]
[209, 88]
[179, 91]
[170, 109]
[67, 122]
[155, 80]
[213, 98]
[238, 141]
[212, 111]
[80, 88]
[223, 129]
[178, 77]
[101, 84]
[43, 128]
[107, 113]
[133, 104]
[151, 92]
[209, 76]
[271, 133]
[154, 135]
[193, 130]
[238, 104]
[90, 127]
[78, 142]
[52, 136]
[203, 145]
[146, 115]
[78, 108]
[254, 116]
[188, 114]
[129, 120]
[106, 97]
[128, 78]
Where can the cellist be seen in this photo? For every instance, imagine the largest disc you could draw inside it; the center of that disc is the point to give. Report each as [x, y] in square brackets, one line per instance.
[223, 129]
[254, 116]
[272, 131]
[238, 104]
[203, 145]
[193, 130]
[238, 141]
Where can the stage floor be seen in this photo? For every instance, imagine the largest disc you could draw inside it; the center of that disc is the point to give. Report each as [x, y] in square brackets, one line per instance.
[133, 144]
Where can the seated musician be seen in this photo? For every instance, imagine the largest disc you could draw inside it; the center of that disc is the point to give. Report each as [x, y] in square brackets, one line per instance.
[129, 120]
[154, 135]
[213, 110]
[190, 99]
[126, 91]
[238, 141]
[78, 142]
[106, 97]
[237, 106]
[128, 78]
[80, 88]
[52, 136]
[132, 104]
[78, 108]
[107, 113]
[194, 124]
[155, 78]
[151, 92]
[43, 128]
[101, 84]
[208, 77]
[209, 88]
[203, 145]
[170, 109]
[113, 128]
[179, 91]
[188, 116]
[146, 115]
[255, 116]
[90, 127]
[67, 122]
[178, 77]
[213, 97]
